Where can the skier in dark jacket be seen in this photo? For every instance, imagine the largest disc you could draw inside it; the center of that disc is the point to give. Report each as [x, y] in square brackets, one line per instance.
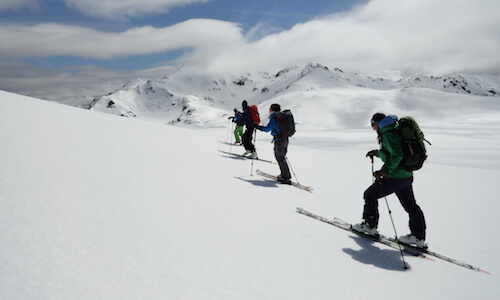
[392, 178]
[280, 143]
[248, 135]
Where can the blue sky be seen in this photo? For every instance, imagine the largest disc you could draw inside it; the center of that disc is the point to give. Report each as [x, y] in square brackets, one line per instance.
[281, 12]
[278, 15]
[64, 47]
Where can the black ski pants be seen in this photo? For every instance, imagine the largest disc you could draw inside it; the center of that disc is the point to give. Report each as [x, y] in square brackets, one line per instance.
[247, 138]
[404, 191]
[280, 150]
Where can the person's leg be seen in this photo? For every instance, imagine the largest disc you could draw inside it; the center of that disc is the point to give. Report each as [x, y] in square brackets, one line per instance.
[238, 133]
[376, 191]
[417, 219]
[247, 137]
[280, 150]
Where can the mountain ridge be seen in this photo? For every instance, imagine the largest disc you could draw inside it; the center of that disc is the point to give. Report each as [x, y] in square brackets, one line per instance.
[202, 100]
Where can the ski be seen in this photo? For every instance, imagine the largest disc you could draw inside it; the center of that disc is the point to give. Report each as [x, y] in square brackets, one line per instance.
[275, 178]
[440, 256]
[391, 242]
[243, 156]
[230, 144]
[348, 227]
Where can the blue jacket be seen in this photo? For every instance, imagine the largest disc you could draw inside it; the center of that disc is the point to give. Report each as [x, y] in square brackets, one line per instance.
[273, 126]
[238, 119]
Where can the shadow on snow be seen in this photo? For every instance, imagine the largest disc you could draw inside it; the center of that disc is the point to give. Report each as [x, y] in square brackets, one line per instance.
[369, 254]
[260, 182]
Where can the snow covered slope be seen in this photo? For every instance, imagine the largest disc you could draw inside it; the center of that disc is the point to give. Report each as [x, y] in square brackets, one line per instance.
[200, 99]
[95, 206]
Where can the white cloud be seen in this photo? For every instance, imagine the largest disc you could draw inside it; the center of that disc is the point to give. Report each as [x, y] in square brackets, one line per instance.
[55, 39]
[423, 35]
[6, 5]
[408, 35]
[420, 35]
[121, 9]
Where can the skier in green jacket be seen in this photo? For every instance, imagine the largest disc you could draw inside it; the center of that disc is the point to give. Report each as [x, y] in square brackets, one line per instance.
[391, 178]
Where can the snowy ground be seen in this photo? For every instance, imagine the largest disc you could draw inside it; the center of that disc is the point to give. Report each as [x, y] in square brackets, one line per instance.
[95, 206]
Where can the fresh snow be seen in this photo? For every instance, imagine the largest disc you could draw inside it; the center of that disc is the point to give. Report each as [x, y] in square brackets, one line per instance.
[95, 206]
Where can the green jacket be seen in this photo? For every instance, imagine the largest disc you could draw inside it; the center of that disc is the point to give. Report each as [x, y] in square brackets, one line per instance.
[391, 153]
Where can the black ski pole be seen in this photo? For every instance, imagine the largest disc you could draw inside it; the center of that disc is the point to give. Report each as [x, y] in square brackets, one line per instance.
[231, 138]
[392, 221]
[396, 235]
[373, 171]
[254, 149]
[293, 172]
[227, 133]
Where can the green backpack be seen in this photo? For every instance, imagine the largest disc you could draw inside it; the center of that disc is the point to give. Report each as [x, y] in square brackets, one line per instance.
[413, 139]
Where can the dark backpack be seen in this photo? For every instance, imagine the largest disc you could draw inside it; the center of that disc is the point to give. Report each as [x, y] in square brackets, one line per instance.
[413, 145]
[254, 113]
[286, 123]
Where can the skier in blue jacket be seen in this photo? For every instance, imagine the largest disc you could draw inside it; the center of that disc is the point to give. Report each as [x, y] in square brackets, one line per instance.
[280, 143]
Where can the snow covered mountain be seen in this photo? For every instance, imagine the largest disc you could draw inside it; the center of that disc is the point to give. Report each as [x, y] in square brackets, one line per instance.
[196, 99]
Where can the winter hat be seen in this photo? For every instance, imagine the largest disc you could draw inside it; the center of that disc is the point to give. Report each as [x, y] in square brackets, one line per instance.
[244, 104]
[275, 107]
[377, 118]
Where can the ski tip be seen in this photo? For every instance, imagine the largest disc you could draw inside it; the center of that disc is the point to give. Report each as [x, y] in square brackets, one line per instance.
[485, 272]
[301, 210]
[308, 190]
[302, 187]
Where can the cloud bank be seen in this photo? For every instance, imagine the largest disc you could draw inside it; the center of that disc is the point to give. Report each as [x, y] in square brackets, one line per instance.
[416, 35]
[112, 9]
[17, 4]
[427, 36]
[108, 9]
[50, 39]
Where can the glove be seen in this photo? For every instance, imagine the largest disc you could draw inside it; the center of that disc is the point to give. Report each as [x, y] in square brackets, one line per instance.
[259, 127]
[371, 153]
[230, 118]
[380, 174]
